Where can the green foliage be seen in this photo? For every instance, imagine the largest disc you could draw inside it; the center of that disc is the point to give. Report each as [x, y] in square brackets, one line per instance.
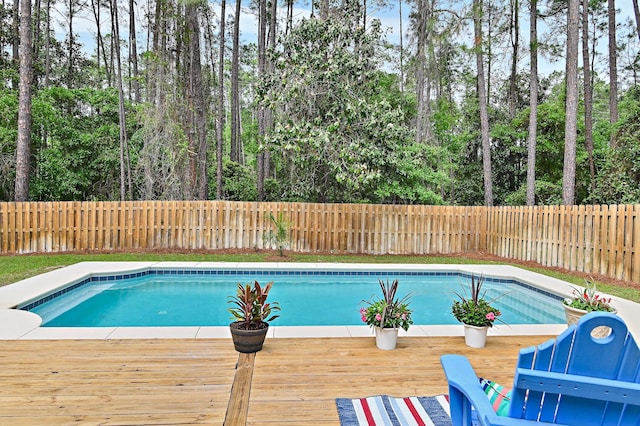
[75, 144]
[8, 137]
[389, 311]
[474, 309]
[589, 300]
[250, 305]
[618, 181]
[238, 182]
[340, 130]
[278, 235]
[547, 193]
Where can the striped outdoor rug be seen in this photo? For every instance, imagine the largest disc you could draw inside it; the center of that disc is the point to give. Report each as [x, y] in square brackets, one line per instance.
[386, 410]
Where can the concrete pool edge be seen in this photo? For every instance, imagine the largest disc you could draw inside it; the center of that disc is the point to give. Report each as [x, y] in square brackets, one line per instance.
[15, 325]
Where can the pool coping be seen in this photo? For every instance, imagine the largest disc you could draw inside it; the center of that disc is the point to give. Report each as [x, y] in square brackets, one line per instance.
[18, 324]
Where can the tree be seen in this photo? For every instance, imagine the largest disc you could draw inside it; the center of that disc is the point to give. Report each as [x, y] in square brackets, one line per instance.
[100, 47]
[16, 36]
[133, 52]
[196, 126]
[126, 185]
[235, 87]
[221, 110]
[23, 148]
[636, 14]
[482, 103]
[588, 91]
[263, 158]
[340, 135]
[533, 104]
[514, 26]
[571, 106]
[422, 26]
[613, 69]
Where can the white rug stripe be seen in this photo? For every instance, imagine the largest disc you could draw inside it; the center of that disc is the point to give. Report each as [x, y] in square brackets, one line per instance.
[444, 403]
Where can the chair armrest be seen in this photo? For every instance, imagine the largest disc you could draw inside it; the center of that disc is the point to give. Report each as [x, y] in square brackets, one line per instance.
[579, 386]
[464, 384]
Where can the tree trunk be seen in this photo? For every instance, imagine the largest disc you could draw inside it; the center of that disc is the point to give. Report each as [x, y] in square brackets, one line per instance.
[16, 39]
[289, 20]
[37, 30]
[270, 67]
[47, 52]
[423, 76]
[235, 88]
[125, 171]
[482, 103]
[133, 51]
[571, 120]
[70, 83]
[533, 105]
[221, 112]
[401, 51]
[23, 146]
[515, 44]
[588, 92]
[324, 9]
[636, 13]
[197, 110]
[613, 71]
[262, 41]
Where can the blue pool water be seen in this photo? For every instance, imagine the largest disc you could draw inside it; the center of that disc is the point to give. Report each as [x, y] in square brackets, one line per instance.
[194, 298]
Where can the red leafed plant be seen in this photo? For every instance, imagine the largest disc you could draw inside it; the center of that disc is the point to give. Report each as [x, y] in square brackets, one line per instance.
[589, 300]
[251, 310]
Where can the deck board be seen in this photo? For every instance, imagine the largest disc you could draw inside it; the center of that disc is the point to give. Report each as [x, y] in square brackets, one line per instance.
[189, 381]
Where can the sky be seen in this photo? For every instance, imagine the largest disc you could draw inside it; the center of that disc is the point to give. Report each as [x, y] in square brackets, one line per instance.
[84, 25]
[389, 17]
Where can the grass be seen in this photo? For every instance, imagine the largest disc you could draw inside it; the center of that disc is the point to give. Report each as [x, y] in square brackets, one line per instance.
[19, 267]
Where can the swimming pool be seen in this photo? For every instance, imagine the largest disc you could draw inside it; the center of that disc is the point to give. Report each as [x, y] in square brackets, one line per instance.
[197, 297]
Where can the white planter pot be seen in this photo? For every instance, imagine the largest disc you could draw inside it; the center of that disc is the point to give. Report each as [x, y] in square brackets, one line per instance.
[475, 337]
[386, 338]
[573, 315]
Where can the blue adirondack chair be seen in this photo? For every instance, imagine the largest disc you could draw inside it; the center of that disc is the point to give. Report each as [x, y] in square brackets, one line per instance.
[575, 379]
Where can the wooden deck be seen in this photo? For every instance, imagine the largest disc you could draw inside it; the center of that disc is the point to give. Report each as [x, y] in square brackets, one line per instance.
[160, 382]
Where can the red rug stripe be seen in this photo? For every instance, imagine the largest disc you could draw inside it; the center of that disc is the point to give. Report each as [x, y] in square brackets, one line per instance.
[413, 411]
[367, 412]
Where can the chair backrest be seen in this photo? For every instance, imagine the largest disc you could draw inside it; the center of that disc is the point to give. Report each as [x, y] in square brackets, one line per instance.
[588, 358]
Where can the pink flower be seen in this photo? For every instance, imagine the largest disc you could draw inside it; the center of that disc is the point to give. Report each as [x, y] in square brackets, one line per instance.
[404, 316]
[378, 317]
[491, 316]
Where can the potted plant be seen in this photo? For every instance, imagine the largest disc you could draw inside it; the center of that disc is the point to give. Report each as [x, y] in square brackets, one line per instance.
[252, 314]
[278, 236]
[475, 312]
[387, 315]
[585, 301]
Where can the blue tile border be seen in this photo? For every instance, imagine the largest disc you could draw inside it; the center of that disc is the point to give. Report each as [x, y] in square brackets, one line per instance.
[103, 278]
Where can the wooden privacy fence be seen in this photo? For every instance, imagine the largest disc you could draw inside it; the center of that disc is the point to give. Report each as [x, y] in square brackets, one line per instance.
[592, 239]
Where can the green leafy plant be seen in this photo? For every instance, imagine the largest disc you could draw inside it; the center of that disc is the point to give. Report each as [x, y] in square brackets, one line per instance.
[474, 309]
[278, 236]
[388, 312]
[589, 300]
[251, 310]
